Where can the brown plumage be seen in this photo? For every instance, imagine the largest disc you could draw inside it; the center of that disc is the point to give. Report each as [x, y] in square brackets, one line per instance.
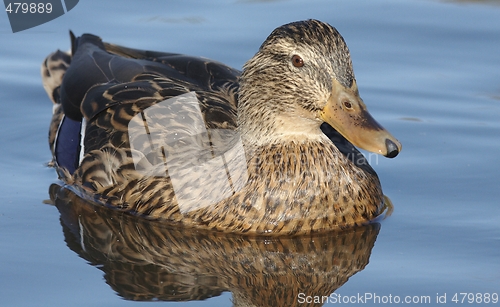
[191, 141]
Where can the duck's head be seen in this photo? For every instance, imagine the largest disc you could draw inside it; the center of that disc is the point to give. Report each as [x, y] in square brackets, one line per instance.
[301, 77]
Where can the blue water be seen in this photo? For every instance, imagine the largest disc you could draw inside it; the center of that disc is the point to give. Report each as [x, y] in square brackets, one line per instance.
[429, 71]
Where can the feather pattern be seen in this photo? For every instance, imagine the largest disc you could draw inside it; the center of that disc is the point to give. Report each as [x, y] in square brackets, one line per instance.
[192, 141]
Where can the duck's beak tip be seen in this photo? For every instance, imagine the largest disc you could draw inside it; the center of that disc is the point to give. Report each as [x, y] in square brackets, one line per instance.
[392, 148]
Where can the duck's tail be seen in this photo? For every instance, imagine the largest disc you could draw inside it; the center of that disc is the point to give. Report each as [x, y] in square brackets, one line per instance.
[53, 69]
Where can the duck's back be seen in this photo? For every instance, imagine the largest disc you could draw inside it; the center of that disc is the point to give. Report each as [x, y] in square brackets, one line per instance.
[106, 88]
[132, 74]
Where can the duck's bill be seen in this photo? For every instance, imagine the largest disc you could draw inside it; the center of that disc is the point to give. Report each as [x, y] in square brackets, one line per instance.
[346, 112]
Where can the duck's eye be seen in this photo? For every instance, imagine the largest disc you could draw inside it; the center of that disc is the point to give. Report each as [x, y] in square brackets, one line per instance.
[297, 61]
[347, 105]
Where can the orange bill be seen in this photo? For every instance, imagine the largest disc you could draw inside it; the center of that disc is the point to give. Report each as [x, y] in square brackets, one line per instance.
[346, 112]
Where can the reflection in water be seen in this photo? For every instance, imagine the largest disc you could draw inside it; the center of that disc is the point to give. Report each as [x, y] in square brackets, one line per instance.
[146, 260]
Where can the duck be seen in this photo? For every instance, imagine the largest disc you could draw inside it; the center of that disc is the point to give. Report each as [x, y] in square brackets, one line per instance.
[269, 150]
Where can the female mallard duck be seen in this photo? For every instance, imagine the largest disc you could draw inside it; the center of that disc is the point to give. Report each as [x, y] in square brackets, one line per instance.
[192, 141]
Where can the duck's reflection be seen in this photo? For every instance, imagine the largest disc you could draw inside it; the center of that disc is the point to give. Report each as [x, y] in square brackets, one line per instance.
[145, 260]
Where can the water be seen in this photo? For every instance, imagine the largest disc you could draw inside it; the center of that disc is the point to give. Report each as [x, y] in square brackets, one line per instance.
[428, 71]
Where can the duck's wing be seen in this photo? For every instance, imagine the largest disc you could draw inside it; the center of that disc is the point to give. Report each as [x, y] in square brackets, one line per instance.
[109, 84]
[103, 94]
[156, 74]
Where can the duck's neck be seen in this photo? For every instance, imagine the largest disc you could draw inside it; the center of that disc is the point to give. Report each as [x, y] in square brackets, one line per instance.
[267, 118]
[255, 131]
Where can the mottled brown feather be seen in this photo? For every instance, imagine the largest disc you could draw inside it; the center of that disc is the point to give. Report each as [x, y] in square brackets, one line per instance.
[296, 183]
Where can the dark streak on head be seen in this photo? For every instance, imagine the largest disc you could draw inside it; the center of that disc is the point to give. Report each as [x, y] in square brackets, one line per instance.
[323, 38]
